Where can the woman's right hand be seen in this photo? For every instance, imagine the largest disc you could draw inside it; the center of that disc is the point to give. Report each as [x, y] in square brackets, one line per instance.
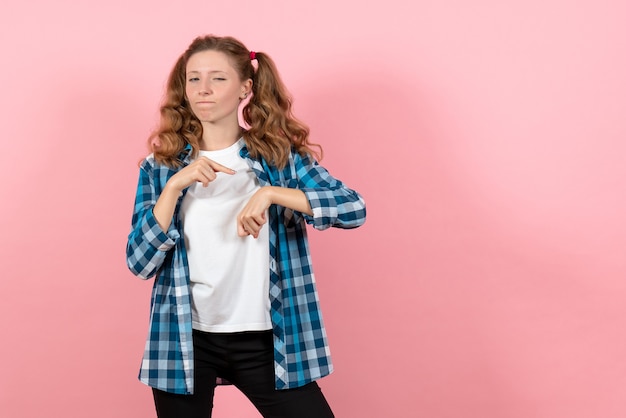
[202, 170]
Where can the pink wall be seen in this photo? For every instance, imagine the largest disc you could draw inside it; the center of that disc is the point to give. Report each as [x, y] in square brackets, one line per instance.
[487, 137]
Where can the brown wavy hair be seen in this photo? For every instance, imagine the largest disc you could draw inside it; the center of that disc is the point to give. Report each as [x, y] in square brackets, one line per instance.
[273, 129]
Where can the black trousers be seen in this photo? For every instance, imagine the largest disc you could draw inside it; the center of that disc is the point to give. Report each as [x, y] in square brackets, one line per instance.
[246, 359]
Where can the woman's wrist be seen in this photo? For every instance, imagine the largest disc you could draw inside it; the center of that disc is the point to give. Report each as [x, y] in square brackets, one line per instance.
[290, 198]
[171, 187]
[270, 193]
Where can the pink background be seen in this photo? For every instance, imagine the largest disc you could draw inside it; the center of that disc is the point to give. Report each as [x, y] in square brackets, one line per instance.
[486, 136]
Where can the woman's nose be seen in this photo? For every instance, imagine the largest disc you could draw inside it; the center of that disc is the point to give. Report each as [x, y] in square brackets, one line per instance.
[205, 88]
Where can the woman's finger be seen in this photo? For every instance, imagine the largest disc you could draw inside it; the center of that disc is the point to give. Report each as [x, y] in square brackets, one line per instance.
[217, 167]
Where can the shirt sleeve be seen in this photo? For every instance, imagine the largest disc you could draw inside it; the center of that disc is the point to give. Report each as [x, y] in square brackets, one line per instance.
[147, 244]
[333, 204]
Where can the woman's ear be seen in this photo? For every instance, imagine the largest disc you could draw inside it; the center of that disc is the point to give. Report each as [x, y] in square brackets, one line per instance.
[246, 88]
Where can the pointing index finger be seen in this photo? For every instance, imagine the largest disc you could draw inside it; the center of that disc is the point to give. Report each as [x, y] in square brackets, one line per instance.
[217, 167]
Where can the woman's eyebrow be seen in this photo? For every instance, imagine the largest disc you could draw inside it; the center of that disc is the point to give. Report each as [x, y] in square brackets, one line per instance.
[210, 72]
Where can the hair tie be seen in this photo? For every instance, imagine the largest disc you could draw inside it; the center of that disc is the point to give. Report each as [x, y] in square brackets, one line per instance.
[252, 55]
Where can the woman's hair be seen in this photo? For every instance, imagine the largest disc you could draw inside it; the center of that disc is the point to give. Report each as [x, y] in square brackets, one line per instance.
[273, 130]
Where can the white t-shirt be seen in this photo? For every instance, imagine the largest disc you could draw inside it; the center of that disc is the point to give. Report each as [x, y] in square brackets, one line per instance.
[229, 274]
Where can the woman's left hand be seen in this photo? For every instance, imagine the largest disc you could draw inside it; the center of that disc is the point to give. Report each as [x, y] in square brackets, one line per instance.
[252, 217]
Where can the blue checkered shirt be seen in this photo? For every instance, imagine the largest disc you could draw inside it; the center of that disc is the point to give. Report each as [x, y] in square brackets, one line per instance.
[301, 352]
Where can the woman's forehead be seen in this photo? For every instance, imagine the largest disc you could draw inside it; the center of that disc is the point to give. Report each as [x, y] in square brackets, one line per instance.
[209, 61]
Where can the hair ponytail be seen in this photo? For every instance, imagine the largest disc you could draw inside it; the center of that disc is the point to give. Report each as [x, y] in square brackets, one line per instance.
[274, 130]
[178, 125]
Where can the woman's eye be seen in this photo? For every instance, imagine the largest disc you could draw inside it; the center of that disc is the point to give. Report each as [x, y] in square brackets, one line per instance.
[193, 79]
[219, 78]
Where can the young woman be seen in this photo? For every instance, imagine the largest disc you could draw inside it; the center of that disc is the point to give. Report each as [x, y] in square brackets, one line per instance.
[220, 219]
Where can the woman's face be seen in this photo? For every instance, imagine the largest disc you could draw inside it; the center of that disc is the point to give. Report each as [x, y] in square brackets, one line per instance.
[213, 87]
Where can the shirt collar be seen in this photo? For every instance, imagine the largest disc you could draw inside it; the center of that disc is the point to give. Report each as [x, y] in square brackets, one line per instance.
[185, 154]
[243, 152]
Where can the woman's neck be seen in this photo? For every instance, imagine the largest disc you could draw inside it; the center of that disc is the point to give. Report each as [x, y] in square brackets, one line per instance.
[215, 137]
